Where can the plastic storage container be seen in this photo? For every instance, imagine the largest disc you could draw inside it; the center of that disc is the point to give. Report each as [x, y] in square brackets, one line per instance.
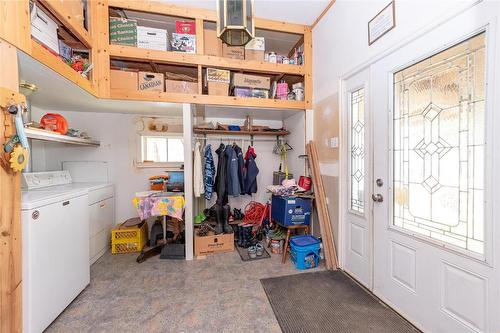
[304, 251]
[289, 211]
[129, 239]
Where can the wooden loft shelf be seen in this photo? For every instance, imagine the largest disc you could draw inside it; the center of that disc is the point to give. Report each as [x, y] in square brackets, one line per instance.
[74, 25]
[224, 132]
[134, 53]
[41, 54]
[206, 99]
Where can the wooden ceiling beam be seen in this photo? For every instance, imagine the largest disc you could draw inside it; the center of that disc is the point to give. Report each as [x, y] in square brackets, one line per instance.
[323, 13]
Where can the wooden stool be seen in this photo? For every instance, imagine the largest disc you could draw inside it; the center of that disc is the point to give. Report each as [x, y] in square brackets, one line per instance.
[287, 239]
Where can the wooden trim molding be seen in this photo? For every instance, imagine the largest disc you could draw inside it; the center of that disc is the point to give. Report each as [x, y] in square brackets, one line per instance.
[10, 207]
[323, 13]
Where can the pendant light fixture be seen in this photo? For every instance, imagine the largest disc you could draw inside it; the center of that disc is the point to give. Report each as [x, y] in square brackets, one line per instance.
[235, 23]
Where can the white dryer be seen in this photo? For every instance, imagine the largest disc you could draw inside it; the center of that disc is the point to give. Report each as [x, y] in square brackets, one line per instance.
[55, 241]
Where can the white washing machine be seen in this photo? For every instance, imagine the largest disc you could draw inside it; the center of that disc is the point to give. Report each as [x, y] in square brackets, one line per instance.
[55, 240]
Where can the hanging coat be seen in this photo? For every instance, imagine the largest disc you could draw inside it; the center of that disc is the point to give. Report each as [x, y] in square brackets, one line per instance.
[198, 183]
[251, 171]
[241, 168]
[209, 172]
[221, 178]
[233, 182]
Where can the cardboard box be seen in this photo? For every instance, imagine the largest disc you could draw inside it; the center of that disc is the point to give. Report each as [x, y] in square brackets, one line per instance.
[251, 81]
[218, 89]
[233, 52]
[149, 81]
[183, 43]
[185, 27]
[255, 49]
[123, 79]
[44, 29]
[152, 38]
[182, 87]
[122, 31]
[211, 43]
[210, 244]
[218, 81]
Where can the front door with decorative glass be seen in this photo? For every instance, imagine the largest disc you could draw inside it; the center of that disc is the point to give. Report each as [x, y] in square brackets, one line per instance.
[435, 145]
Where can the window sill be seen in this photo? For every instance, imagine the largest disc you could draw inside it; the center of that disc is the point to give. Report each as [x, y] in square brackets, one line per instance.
[169, 166]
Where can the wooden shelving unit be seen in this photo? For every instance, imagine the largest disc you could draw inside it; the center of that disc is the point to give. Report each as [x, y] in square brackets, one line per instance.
[134, 53]
[224, 132]
[96, 40]
[205, 99]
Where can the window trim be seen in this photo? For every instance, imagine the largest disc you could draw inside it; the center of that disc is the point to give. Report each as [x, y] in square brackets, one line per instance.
[138, 161]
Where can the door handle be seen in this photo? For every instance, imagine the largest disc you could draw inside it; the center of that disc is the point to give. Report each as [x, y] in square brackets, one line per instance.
[377, 197]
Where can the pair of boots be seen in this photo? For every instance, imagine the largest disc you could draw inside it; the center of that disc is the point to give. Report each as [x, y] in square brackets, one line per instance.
[245, 237]
[222, 219]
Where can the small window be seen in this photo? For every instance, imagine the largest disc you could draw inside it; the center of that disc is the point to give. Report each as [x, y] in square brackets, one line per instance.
[161, 149]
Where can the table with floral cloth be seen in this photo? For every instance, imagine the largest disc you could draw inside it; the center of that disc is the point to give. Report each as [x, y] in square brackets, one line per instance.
[160, 205]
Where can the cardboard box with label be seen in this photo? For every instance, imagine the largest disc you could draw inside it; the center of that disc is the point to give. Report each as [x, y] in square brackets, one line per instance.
[218, 81]
[123, 79]
[211, 43]
[152, 38]
[182, 87]
[255, 49]
[210, 244]
[251, 81]
[233, 52]
[122, 31]
[149, 81]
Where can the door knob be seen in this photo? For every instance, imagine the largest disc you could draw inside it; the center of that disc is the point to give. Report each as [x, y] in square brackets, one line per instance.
[377, 197]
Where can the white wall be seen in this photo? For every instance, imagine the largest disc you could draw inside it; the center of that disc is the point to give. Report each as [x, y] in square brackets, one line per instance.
[267, 162]
[118, 148]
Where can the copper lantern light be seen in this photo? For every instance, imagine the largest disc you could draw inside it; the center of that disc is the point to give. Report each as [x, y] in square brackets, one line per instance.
[235, 23]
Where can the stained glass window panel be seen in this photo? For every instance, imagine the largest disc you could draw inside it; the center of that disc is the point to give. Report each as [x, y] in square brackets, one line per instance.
[439, 145]
[357, 150]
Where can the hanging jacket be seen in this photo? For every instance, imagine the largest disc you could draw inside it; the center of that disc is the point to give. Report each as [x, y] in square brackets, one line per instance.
[198, 182]
[221, 178]
[209, 172]
[251, 171]
[241, 168]
[233, 182]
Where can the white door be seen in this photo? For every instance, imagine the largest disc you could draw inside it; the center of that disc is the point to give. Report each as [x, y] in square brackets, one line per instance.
[436, 148]
[357, 172]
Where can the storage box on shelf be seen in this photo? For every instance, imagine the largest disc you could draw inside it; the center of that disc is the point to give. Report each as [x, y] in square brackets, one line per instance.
[152, 38]
[124, 79]
[218, 81]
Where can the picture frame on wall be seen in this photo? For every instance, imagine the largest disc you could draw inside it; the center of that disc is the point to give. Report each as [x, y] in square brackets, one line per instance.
[382, 23]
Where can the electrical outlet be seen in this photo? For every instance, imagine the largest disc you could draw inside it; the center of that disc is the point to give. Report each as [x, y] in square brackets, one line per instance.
[334, 142]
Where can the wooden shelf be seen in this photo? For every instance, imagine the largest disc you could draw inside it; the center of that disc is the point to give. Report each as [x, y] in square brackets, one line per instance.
[41, 54]
[206, 99]
[47, 136]
[224, 132]
[134, 53]
[71, 23]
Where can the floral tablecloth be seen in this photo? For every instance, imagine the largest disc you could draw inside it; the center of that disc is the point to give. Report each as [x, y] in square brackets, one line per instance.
[158, 205]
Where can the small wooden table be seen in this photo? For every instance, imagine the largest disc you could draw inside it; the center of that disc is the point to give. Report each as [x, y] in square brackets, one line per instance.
[288, 234]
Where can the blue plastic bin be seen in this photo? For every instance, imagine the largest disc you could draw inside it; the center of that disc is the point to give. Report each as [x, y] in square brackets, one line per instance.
[304, 251]
[290, 210]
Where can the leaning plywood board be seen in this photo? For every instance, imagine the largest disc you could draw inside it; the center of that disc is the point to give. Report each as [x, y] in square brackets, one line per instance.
[323, 217]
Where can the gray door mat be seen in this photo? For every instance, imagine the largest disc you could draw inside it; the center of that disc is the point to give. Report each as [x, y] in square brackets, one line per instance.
[244, 253]
[329, 301]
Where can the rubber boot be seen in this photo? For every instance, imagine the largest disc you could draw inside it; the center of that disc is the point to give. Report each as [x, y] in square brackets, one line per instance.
[225, 215]
[239, 229]
[219, 227]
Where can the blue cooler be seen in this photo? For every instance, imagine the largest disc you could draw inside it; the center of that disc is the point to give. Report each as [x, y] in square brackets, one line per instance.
[291, 210]
[304, 251]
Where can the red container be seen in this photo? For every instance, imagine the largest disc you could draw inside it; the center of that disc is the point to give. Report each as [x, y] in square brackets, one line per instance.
[185, 27]
[305, 182]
